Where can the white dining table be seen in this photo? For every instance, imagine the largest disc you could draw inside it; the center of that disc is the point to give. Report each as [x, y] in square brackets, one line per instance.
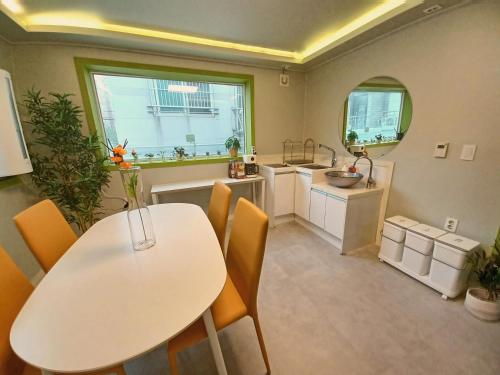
[103, 303]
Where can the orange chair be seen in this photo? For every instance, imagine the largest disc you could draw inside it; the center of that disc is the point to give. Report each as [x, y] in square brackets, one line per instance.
[46, 232]
[218, 210]
[15, 289]
[245, 254]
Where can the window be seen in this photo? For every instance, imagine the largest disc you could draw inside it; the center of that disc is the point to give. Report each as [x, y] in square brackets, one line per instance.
[377, 115]
[159, 108]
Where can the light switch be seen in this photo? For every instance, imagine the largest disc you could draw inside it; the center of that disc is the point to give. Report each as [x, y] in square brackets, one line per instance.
[441, 149]
[468, 152]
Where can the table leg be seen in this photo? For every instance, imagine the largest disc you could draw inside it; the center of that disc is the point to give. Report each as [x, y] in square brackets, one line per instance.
[263, 195]
[254, 193]
[154, 197]
[214, 342]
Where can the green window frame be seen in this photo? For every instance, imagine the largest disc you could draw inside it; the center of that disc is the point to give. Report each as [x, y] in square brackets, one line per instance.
[406, 111]
[85, 67]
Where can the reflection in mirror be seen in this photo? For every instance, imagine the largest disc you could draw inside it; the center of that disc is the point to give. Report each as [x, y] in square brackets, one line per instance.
[376, 117]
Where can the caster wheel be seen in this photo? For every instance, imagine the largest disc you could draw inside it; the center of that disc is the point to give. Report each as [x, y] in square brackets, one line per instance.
[380, 260]
[444, 297]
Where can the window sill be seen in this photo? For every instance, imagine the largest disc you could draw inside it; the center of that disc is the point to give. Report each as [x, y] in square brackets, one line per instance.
[144, 164]
[381, 144]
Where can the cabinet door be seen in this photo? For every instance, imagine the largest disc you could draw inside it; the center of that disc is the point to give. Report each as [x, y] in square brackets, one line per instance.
[335, 216]
[284, 196]
[302, 195]
[317, 208]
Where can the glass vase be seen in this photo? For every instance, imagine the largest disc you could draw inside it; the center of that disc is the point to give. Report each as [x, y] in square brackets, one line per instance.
[139, 218]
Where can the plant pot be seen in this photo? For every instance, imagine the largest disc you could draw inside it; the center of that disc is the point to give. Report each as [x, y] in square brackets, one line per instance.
[476, 302]
[233, 152]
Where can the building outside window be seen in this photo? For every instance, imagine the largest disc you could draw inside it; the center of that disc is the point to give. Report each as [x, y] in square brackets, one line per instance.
[156, 114]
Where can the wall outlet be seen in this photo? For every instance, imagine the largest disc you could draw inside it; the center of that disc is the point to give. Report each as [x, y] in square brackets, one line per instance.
[451, 224]
[432, 9]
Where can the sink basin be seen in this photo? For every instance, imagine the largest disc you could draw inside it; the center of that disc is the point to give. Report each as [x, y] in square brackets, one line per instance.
[276, 165]
[313, 166]
[343, 179]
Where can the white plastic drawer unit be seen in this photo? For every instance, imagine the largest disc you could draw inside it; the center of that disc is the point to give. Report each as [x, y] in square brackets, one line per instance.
[421, 238]
[453, 250]
[395, 227]
[391, 249]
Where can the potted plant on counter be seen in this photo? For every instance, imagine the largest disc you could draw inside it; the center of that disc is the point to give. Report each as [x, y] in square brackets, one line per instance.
[233, 145]
[352, 136]
[180, 153]
[484, 303]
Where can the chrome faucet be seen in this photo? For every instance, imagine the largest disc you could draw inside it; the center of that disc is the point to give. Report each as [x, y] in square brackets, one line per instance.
[370, 183]
[334, 159]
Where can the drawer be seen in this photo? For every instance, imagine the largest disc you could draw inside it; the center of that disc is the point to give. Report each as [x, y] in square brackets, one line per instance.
[394, 232]
[450, 255]
[416, 261]
[449, 278]
[391, 249]
[420, 243]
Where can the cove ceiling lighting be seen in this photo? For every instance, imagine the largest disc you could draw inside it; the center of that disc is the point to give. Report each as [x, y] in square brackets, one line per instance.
[90, 24]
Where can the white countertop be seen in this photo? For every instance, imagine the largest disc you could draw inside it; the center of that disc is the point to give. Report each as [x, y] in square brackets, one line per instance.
[357, 191]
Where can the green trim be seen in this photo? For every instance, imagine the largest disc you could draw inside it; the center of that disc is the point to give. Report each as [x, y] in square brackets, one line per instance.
[178, 163]
[9, 181]
[406, 113]
[85, 67]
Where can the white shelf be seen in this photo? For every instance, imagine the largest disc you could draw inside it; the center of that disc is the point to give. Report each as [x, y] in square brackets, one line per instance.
[424, 279]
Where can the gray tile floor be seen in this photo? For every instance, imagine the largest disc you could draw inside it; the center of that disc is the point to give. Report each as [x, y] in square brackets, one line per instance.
[323, 313]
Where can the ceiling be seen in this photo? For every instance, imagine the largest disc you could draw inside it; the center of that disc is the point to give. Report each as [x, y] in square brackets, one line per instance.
[295, 32]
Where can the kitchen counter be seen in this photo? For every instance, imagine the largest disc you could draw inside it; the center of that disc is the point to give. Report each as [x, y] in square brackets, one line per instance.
[357, 191]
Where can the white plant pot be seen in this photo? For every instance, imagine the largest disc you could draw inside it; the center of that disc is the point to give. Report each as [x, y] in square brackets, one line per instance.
[477, 304]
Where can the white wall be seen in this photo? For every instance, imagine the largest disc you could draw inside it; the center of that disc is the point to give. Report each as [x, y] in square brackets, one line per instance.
[14, 198]
[450, 65]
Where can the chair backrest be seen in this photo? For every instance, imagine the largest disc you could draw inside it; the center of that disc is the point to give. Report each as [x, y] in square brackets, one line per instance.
[15, 289]
[46, 232]
[245, 252]
[218, 210]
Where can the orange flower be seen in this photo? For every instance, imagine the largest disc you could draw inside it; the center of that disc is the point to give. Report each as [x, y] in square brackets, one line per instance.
[125, 165]
[119, 150]
[116, 159]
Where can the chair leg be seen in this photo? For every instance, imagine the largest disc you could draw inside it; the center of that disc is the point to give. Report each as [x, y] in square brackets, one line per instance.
[256, 323]
[172, 362]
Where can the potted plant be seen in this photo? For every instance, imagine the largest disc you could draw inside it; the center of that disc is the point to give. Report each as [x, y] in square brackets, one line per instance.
[150, 156]
[180, 153]
[352, 136]
[68, 166]
[233, 145]
[484, 303]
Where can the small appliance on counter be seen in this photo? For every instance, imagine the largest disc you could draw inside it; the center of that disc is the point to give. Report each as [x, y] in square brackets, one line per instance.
[236, 169]
[251, 167]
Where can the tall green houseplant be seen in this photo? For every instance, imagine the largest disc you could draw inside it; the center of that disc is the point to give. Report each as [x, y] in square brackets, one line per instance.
[68, 167]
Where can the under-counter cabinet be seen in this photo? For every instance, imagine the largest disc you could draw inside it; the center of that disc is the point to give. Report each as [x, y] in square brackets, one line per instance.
[347, 218]
[317, 208]
[284, 194]
[303, 183]
[280, 193]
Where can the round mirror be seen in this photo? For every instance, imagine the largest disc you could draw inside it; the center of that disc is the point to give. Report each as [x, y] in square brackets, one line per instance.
[376, 117]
